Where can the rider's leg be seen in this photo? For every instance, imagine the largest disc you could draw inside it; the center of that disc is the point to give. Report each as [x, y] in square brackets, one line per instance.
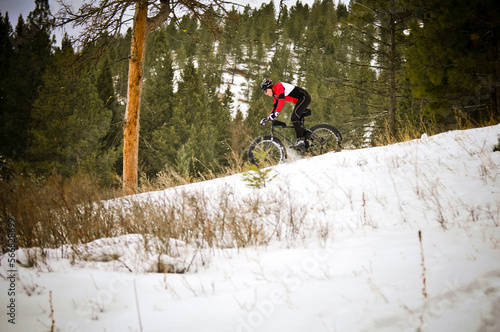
[300, 107]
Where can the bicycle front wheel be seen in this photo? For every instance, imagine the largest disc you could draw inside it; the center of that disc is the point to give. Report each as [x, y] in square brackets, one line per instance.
[324, 138]
[266, 151]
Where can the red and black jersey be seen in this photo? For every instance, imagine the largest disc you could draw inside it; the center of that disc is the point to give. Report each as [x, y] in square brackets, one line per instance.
[285, 92]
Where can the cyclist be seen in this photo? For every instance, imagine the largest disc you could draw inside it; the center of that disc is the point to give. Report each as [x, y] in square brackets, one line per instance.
[287, 92]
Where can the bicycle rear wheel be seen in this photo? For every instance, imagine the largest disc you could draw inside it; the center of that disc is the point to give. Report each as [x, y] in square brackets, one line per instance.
[324, 138]
[266, 151]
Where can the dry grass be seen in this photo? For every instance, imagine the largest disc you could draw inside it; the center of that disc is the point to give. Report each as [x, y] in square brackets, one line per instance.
[49, 213]
[55, 214]
[169, 177]
[410, 129]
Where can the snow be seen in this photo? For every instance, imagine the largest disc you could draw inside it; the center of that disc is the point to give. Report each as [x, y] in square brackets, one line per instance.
[344, 252]
[237, 85]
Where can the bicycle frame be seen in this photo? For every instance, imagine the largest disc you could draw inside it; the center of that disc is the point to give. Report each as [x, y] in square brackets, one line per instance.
[279, 124]
[274, 132]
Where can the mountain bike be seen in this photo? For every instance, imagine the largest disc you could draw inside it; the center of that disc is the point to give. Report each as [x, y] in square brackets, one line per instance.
[270, 150]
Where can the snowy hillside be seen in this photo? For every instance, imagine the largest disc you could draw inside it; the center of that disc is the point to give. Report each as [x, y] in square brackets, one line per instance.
[343, 252]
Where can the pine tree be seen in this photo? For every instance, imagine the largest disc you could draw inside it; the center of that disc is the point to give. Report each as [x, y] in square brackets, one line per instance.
[119, 63]
[295, 23]
[228, 100]
[220, 120]
[260, 106]
[454, 60]
[23, 75]
[6, 49]
[240, 136]
[192, 122]
[105, 87]
[265, 24]
[158, 143]
[231, 41]
[282, 64]
[379, 31]
[6, 118]
[67, 129]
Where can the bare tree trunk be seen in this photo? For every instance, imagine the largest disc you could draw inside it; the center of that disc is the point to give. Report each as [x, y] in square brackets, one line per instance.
[135, 74]
[392, 77]
[392, 102]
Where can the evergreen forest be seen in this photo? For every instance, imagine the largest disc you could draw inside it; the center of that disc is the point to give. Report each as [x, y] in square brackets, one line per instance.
[381, 71]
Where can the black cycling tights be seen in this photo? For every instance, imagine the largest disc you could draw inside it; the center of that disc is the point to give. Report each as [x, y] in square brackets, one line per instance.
[300, 107]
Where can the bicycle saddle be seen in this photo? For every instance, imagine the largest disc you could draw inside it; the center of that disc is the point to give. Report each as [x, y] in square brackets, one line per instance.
[307, 112]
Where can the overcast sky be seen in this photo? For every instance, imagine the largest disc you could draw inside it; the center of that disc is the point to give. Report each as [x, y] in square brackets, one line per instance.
[24, 7]
[16, 7]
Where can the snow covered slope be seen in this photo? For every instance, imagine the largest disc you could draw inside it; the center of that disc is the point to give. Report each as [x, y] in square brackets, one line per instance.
[344, 252]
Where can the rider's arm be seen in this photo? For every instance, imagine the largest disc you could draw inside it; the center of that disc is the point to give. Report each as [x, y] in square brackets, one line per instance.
[279, 91]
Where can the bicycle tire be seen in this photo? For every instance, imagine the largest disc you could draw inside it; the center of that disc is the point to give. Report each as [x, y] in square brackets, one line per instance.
[266, 151]
[324, 138]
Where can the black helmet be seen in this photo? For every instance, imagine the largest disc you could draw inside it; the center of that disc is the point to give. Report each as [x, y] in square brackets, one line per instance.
[266, 84]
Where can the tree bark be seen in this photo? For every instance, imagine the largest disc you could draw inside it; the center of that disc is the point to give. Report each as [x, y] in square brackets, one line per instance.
[392, 77]
[131, 129]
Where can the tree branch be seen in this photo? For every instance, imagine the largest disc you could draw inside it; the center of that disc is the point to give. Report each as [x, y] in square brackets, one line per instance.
[162, 16]
[95, 18]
